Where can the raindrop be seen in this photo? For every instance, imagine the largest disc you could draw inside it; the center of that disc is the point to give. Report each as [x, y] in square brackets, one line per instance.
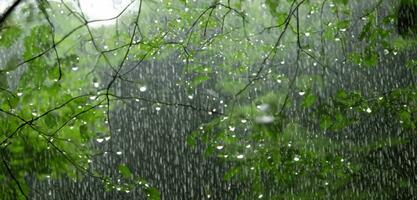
[143, 88]
[96, 84]
[265, 119]
[263, 107]
[296, 158]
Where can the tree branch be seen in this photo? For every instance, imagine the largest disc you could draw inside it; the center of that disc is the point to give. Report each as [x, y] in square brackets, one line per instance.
[14, 178]
[8, 12]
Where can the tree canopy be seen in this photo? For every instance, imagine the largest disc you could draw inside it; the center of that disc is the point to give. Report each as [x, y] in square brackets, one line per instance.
[309, 99]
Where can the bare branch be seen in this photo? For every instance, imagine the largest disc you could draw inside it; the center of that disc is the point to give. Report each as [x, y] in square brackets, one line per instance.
[14, 178]
[9, 11]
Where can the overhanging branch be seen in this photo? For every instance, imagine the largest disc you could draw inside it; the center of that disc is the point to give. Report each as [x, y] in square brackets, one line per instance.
[8, 12]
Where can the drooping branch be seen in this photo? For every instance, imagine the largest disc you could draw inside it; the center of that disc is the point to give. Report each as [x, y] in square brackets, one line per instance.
[272, 52]
[9, 11]
[117, 72]
[58, 42]
[9, 171]
[42, 6]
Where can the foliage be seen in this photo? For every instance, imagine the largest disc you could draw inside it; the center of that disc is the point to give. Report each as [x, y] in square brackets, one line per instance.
[288, 122]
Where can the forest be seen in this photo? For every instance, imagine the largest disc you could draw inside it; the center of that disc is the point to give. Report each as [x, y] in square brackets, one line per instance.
[208, 99]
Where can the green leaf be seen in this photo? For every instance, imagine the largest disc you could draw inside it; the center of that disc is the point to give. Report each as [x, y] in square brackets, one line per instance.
[9, 35]
[325, 122]
[3, 81]
[232, 173]
[83, 129]
[355, 58]
[344, 24]
[199, 80]
[13, 101]
[406, 120]
[273, 5]
[37, 41]
[153, 193]
[192, 138]
[228, 86]
[365, 30]
[51, 120]
[371, 59]
[412, 64]
[125, 171]
[309, 100]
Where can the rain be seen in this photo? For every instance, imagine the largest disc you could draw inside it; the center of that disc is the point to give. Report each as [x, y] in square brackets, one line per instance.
[222, 99]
